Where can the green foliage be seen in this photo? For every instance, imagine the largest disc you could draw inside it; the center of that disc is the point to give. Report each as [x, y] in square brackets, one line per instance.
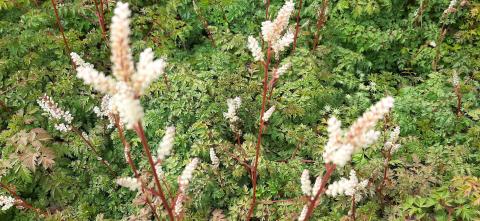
[368, 49]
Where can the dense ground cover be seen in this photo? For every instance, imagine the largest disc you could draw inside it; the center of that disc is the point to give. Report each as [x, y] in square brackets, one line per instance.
[423, 53]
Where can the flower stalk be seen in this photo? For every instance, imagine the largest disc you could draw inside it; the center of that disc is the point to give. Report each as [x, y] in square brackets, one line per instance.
[297, 26]
[322, 18]
[130, 162]
[62, 32]
[141, 134]
[24, 203]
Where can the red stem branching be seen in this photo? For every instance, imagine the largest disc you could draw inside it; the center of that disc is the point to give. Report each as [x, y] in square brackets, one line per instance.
[128, 155]
[320, 22]
[60, 27]
[260, 132]
[141, 134]
[23, 203]
[297, 26]
[312, 204]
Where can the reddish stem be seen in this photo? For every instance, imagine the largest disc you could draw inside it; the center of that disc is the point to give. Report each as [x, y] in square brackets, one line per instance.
[267, 6]
[23, 202]
[459, 100]
[141, 134]
[313, 203]
[260, 132]
[128, 155]
[60, 27]
[320, 23]
[101, 19]
[388, 156]
[297, 26]
[237, 136]
[353, 208]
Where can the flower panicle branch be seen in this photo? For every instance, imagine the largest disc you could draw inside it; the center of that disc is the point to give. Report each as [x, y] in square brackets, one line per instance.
[277, 38]
[340, 147]
[128, 84]
[215, 160]
[54, 111]
[165, 147]
[183, 182]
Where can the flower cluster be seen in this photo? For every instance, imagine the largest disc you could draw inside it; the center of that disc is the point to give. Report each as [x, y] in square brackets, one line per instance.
[129, 84]
[165, 147]
[455, 79]
[303, 214]
[451, 7]
[391, 144]
[255, 48]
[214, 159]
[106, 110]
[231, 114]
[131, 183]
[348, 187]
[342, 144]
[307, 188]
[183, 182]
[54, 111]
[268, 113]
[6, 202]
[280, 71]
[272, 30]
[306, 183]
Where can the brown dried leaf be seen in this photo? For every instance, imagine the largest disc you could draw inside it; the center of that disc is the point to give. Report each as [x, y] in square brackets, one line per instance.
[218, 215]
[42, 134]
[29, 159]
[46, 158]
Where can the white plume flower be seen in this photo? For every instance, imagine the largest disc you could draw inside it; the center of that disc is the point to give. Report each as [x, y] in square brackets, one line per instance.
[129, 84]
[49, 106]
[316, 186]
[187, 173]
[120, 42]
[215, 160]
[282, 43]
[165, 147]
[348, 187]
[148, 70]
[280, 71]
[255, 48]
[91, 76]
[106, 110]
[129, 108]
[306, 183]
[183, 182]
[271, 31]
[6, 202]
[391, 144]
[268, 113]
[342, 144]
[131, 183]
[303, 214]
[231, 114]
